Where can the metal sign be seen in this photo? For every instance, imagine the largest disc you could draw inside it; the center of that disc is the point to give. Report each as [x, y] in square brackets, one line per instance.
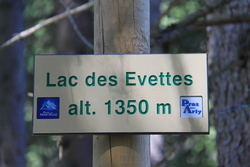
[160, 93]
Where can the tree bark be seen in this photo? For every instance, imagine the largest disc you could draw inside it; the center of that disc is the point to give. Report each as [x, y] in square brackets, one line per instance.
[121, 27]
[230, 65]
[12, 87]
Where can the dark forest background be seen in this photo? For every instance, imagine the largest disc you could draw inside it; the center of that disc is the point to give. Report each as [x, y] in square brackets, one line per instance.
[219, 28]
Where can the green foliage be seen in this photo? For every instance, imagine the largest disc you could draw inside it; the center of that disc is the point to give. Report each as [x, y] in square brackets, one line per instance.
[38, 9]
[198, 150]
[183, 44]
[179, 12]
[42, 41]
[41, 150]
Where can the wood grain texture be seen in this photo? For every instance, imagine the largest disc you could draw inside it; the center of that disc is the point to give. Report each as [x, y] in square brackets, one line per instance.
[121, 27]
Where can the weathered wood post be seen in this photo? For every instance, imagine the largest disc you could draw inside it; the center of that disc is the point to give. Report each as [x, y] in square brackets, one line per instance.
[121, 27]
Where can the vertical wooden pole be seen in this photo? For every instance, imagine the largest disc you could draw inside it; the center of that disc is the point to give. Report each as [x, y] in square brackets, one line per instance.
[121, 27]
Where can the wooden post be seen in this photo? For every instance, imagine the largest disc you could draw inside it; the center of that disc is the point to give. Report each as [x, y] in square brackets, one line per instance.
[121, 27]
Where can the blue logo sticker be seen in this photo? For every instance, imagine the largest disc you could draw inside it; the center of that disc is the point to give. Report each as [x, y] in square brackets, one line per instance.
[191, 107]
[48, 107]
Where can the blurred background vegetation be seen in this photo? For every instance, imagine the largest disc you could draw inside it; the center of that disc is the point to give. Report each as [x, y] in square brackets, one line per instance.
[195, 150]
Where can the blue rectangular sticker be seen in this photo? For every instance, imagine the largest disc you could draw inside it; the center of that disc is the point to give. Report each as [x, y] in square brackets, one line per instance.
[48, 107]
[191, 107]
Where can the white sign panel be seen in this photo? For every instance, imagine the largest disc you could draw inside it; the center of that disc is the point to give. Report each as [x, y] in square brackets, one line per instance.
[161, 93]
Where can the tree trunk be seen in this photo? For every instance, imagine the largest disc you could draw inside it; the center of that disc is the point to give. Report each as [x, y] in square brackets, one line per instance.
[12, 87]
[230, 55]
[121, 27]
